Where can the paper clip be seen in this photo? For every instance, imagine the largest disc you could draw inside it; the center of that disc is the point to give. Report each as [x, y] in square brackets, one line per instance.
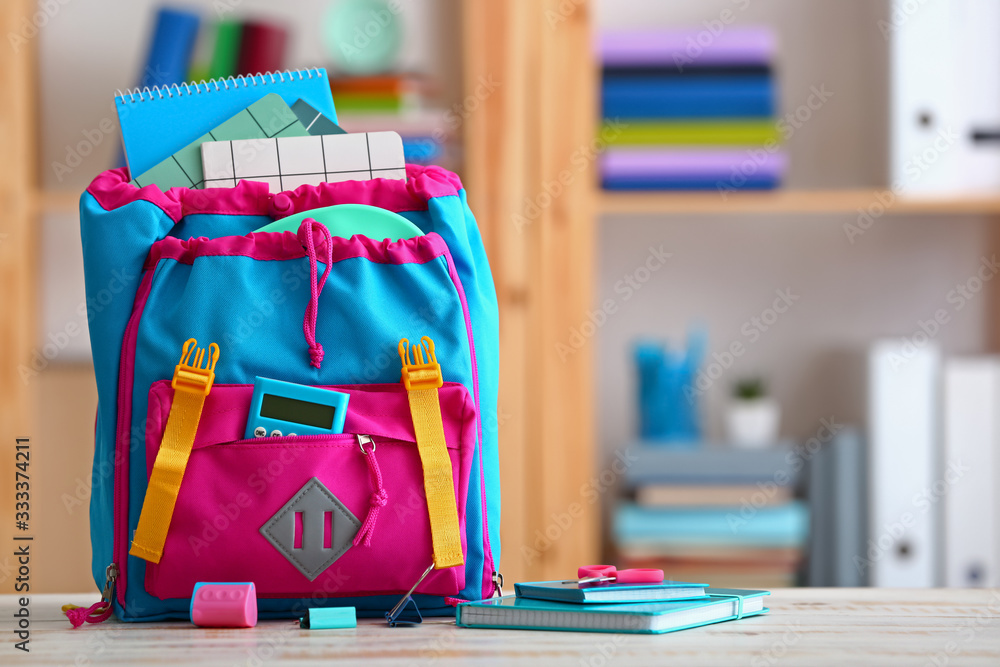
[395, 616]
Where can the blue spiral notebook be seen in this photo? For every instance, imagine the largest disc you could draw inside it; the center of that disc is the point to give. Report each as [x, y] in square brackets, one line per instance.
[510, 612]
[157, 122]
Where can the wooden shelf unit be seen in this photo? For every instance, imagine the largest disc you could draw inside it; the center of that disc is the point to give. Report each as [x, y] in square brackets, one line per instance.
[791, 202]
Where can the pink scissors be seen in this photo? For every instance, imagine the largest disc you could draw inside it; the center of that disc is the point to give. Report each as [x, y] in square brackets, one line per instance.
[592, 574]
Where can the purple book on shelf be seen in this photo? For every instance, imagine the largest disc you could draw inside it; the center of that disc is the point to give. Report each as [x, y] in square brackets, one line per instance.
[620, 163]
[733, 46]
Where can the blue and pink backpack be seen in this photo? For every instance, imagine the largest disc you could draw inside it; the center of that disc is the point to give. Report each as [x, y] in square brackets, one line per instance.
[163, 268]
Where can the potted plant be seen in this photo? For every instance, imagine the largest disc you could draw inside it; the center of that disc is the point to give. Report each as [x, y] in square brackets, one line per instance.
[752, 417]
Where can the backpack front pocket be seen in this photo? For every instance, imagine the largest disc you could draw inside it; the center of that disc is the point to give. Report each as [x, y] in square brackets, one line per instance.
[309, 516]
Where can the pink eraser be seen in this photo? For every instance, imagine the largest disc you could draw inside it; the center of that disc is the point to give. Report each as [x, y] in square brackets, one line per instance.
[224, 605]
[640, 575]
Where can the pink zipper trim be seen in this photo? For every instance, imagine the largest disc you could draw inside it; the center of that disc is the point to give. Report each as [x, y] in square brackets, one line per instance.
[112, 190]
[126, 375]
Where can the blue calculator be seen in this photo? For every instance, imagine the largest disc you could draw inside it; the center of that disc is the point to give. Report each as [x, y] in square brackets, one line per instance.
[285, 408]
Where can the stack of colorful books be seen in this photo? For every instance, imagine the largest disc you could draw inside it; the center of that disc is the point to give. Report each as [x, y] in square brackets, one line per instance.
[690, 110]
[715, 514]
[400, 102]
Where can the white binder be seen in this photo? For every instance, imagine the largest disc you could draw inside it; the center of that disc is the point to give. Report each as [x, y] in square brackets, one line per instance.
[945, 96]
[903, 437]
[971, 432]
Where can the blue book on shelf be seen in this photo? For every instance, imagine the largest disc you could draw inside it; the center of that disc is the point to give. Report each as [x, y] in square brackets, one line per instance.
[691, 97]
[515, 613]
[714, 463]
[605, 592]
[774, 527]
[170, 48]
[157, 123]
[654, 182]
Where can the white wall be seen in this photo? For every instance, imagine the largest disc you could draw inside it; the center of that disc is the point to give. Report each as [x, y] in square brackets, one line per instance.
[724, 271]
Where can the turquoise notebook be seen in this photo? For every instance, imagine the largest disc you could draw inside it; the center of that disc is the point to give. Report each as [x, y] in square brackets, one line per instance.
[609, 592]
[723, 604]
[158, 122]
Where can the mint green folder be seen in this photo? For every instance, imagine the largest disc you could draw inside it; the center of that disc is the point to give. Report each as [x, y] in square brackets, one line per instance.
[509, 612]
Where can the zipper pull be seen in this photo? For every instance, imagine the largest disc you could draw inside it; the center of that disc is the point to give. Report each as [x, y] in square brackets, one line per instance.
[99, 612]
[379, 497]
[497, 584]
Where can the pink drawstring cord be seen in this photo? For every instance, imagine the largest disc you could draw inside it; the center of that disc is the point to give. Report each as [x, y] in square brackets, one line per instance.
[316, 287]
[377, 500]
[96, 613]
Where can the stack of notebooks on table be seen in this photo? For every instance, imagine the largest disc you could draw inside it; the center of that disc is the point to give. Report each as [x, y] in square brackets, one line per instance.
[723, 515]
[685, 113]
[401, 102]
[611, 607]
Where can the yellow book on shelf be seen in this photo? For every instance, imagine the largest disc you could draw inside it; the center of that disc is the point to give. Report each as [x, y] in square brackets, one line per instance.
[692, 133]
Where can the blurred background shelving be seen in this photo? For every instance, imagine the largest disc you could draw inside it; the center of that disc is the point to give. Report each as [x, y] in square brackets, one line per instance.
[563, 416]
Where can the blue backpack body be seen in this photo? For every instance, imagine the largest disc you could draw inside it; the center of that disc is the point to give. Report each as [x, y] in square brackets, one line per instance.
[161, 268]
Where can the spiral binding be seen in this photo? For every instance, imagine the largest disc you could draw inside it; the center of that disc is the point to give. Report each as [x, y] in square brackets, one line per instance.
[146, 93]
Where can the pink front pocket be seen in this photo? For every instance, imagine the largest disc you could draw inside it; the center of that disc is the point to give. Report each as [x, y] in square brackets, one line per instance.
[309, 494]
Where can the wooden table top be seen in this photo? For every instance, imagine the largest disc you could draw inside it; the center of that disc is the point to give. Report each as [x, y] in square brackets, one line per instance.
[806, 626]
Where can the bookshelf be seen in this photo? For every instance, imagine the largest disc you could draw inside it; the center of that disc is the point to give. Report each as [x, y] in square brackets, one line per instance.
[787, 202]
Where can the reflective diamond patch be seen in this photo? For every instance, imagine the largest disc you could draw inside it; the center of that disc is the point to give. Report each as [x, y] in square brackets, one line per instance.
[312, 518]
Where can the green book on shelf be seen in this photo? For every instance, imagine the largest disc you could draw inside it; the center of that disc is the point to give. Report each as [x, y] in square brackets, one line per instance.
[368, 103]
[227, 49]
[691, 133]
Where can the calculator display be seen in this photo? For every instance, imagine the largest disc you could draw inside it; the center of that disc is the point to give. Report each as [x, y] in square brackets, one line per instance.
[298, 412]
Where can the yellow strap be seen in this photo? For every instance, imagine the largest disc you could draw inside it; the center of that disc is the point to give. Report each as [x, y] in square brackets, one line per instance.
[422, 380]
[192, 382]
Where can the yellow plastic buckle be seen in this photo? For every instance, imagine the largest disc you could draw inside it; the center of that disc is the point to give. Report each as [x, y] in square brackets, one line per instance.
[197, 377]
[421, 369]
